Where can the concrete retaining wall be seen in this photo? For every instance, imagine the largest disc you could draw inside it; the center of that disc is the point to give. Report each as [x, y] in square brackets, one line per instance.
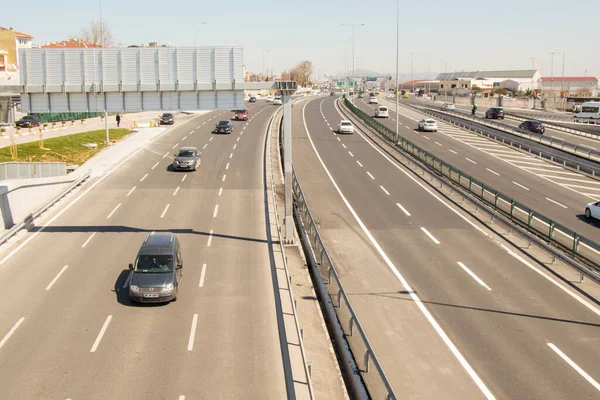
[20, 197]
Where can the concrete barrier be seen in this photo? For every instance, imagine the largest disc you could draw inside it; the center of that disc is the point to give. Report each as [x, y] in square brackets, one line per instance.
[20, 197]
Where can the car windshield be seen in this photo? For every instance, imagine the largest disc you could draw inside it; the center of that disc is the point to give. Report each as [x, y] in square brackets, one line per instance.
[155, 264]
[185, 153]
[223, 123]
[167, 115]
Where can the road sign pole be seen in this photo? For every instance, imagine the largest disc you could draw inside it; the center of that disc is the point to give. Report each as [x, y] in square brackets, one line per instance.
[287, 167]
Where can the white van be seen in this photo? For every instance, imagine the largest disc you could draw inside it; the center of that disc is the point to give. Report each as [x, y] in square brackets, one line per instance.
[277, 101]
[382, 112]
[589, 109]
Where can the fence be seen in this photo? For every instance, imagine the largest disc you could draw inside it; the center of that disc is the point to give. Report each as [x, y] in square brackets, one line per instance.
[578, 246]
[375, 379]
[26, 170]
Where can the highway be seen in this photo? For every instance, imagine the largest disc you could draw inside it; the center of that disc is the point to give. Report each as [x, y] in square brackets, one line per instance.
[578, 140]
[556, 192]
[450, 312]
[67, 327]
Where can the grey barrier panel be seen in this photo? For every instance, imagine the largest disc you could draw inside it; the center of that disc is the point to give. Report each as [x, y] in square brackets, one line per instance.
[578, 246]
[25, 170]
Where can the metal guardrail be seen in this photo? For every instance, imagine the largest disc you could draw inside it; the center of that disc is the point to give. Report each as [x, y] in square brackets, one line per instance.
[578, 150]
[582, 129]
[568, 240]
[375, 379]
[550, 153]
[285, 264]
[560, 118]
[27, 170]
[31, 217]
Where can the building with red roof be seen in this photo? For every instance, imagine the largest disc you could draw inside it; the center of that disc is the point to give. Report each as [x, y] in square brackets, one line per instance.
[71, 44]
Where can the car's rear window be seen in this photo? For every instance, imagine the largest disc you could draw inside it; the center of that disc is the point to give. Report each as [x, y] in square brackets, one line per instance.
[346, 124]
[429, 121]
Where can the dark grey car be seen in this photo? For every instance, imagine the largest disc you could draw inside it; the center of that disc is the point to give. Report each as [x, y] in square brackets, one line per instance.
[157, 272]
[187, 158]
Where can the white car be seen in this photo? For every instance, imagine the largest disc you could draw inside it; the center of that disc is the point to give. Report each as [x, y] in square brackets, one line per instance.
[345, 127]
[592, 210]
[428, 124]
[277, 100]
[270, 98]
[448, 106]
[382, 112]
[373, 100]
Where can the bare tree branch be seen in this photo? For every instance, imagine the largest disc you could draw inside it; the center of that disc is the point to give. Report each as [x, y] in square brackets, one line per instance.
[94, 33]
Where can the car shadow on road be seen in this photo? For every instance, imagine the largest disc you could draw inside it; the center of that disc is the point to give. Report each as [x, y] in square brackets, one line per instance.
[589, 221]
[129, 229]
[400, 296]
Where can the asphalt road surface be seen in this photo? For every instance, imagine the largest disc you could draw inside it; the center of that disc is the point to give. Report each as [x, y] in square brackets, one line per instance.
[451, 313]
[67, 328]
[548, 188]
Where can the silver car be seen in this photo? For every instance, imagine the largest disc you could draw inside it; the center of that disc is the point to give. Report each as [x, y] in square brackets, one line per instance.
[428, 124]
[187, 158]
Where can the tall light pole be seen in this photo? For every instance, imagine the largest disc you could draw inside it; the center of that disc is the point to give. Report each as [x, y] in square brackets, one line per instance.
[445, 77]
[107, 138]
[397, 65]
[562, 85]
[552, 72]
[411, 70]
[353, 42]
[195, 31]
[263, 67]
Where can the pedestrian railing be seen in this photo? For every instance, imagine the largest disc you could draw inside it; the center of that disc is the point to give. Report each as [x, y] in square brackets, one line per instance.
[575, 244]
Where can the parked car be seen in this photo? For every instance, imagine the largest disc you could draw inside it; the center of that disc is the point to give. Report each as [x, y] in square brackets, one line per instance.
[277, 100]
[373, 100]
[241, 115]
[252, 99]
[187, 158]
[427, 125]
[156, 273]
[495, 113]
[345, 127]
[167, 119]
[223, 127]
[28, 121]
[533, 126]
[592, 210]
[448, 107]
[382, 112]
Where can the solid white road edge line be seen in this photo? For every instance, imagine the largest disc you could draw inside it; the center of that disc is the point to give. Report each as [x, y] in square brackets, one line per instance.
[88, 240]
[190, 346]
[580, 299]
[417, 182]
[430, 235]
[12, 330]
[468, 271]
[210, 235]
[403, 209]
[56, 277]
[576, 367]
[202, 275]
[465, 364]
[102, 331]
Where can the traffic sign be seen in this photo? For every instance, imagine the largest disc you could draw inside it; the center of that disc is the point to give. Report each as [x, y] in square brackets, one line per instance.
[351, 83]
[340, 83]
[371, 79]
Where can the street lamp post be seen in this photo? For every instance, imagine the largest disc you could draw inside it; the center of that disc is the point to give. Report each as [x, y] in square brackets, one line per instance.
[353, 42]
[195, 31]
[445, 77]
[263, 67]
[552, 72]
[107, 136]
[397, 65]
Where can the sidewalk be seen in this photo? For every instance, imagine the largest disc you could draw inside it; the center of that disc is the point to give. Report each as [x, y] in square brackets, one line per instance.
[142, 119]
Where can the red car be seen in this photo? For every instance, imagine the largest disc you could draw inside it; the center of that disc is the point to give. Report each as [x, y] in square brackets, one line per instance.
[241, 115]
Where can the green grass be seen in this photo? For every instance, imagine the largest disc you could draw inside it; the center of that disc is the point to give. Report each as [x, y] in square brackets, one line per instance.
[68, 148]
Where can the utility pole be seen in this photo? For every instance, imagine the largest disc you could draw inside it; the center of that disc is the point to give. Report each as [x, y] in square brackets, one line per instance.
[397, 64]
[102, 58]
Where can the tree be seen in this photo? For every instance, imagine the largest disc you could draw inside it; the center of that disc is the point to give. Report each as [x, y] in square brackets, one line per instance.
[285, 76]
[500, 91]
[304, 70]
[475, 88]
[585, 92]
[94, 34]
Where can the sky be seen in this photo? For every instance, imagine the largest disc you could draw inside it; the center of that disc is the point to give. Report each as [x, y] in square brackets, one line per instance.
[468, 34]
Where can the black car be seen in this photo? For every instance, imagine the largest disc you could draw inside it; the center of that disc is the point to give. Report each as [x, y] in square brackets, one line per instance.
[224, 127]
[533, 126]
[28, 121]
[252, 99]
[495, 113]
[332, 94]
[167, 119]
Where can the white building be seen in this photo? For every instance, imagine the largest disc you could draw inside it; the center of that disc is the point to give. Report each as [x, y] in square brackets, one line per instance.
[511, 80]
[576, 86]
